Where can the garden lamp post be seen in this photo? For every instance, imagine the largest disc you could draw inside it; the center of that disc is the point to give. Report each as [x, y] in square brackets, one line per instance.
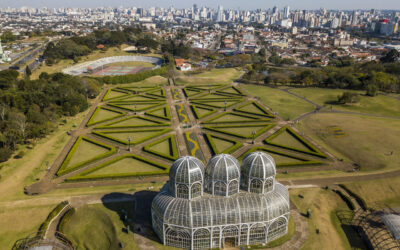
[254, 135]
[225, 105]
[129, 143]
[135, 108]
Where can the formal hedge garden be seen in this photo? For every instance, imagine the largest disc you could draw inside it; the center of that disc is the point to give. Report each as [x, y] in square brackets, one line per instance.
[134, 132]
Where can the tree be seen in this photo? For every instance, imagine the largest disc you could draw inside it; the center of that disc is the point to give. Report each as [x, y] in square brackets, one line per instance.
[348, 97]
[3, 111]
[372, 90]
[28, 71]
[18, 121]
[392, 56]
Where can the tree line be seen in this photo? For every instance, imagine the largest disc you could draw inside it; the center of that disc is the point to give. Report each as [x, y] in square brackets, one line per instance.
[31, 109]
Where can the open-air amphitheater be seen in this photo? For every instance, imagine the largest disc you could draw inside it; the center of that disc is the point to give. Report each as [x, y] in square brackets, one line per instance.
[83, 67]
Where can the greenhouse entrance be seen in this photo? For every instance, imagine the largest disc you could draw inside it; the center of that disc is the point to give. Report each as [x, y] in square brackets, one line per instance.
[230, 242]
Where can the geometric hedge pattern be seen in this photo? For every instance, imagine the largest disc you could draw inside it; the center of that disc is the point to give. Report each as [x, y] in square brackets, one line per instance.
[140, 117]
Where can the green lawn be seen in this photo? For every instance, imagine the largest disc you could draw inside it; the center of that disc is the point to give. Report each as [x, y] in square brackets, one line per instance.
[378, 193]
[379, 105]
[151, 81]
[368, 141]
[164, 147]
[124, 166]
[287, 139]
[219, 76]
[131, 64]
[20, 222]
[232, 117]
[222, 145]
[287, 106]
[99, 226]
[86, 150]
[321, 203]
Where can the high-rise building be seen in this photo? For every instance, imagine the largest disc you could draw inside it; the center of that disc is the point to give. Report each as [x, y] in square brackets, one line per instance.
[220, 14]
[275, 10]
[286, 12]
[354, 18]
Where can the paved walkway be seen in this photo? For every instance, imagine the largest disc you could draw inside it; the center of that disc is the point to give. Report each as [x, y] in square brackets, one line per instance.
[300, 234]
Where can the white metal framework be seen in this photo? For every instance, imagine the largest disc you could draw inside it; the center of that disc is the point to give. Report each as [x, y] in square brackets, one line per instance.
[186, 217]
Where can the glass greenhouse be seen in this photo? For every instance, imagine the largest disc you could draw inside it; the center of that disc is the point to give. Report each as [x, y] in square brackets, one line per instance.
[221, 205]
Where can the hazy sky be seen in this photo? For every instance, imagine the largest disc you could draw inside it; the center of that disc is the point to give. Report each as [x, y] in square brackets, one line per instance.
[236, 4]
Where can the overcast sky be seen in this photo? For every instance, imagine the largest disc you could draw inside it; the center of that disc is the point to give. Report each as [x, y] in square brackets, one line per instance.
[235, 4]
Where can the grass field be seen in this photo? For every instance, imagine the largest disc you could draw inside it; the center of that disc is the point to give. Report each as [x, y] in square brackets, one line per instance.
[221, 76]
[378, 193]
[99, 226]
[17, 173]
[379, 105]
[137, 64]
[86, 150]
[321, 203]
[151, 81]
[367, 141]
[19, 222]
[287, 106]
[124, 166]
[287, 139]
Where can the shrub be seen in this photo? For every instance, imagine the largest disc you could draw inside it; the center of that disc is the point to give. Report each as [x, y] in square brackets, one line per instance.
[348, 97]
[44, 226]
[372, 90]
[5, 154]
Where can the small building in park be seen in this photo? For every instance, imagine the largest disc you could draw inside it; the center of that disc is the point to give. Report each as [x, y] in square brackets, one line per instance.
[221, 205]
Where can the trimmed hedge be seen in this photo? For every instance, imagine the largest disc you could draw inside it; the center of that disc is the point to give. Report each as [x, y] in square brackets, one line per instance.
[98, 109]
[138, 89]
[197, 113]
[70, 154]
[83, 177]
[103, 134]
[214, 149]
[167, 113]
[209, 103]
[133, 77]
[261, 131]
[358, 198]
[256, 119]
[303, 161]
[173, 148]
[239, 92]
[138, 109]
[150, 98]
[45, 225]
[258, 106]
[312, 150]
[187, 94]
[65, 219]
[153, 93]
[105, 98]
[156, 123]
[346, 199]
[218, 97]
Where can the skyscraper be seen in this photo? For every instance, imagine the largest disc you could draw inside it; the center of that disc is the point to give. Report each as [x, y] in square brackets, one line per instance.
[286, 12]
[220, 14]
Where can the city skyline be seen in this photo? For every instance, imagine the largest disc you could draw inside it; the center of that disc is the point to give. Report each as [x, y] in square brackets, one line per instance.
[231, 4]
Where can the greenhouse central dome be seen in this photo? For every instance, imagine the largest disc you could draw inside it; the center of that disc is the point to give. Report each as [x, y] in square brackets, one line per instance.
[222, 205]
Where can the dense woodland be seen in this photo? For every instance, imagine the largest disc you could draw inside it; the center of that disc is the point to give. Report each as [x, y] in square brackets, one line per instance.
[31, 109]
[341, 73]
